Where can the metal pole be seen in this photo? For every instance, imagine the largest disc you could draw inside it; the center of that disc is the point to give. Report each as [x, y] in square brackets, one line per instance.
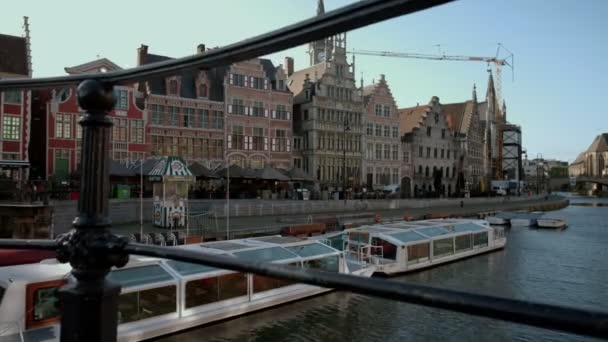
[90, 305]
[228, 201]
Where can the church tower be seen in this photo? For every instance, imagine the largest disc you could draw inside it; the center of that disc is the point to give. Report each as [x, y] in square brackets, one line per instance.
[321, 50]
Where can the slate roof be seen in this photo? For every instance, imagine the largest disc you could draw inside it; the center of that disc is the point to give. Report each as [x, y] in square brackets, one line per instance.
[368, 90]
[269, 68]
[93, 67]
[579, 159]
[599, 144]
[459, 116]
[410, 118]
[13, 55]
[199, 170]
[295, 82]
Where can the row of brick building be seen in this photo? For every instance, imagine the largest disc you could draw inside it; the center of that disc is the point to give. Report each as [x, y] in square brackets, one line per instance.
[255, 113]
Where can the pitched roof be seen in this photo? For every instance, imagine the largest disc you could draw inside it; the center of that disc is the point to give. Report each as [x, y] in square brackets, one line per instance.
[368, 90]
[170, 166]
[269, 69]
[295, 82]
[599, 144]
[459, 116]
[199, 170]
[579, 159]
[410, 118]
[93, 67]
[13, 55]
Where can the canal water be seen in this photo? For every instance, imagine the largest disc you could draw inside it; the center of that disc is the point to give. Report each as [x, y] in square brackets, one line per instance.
[566, 267]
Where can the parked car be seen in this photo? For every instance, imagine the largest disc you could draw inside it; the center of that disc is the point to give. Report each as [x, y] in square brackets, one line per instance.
[392, 191]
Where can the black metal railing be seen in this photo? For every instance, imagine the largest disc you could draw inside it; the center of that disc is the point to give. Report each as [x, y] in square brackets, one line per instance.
[90, 303]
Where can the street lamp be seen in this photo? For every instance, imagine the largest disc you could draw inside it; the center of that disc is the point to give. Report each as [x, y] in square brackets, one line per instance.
[539, 164]
[346, 129]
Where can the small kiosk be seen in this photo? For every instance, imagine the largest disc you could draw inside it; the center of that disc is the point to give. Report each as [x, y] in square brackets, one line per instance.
[171, 179]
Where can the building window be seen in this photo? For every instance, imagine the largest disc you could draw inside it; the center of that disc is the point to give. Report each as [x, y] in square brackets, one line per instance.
[395, 176]
[395, 132]
[406, 157]
[122, 99]
[203, 118]
[378, 130]
[378, 110]
[281, 86]
[281, 112]
[119, 131]
[448, 154]
[378, 151]
[12, 96]
[387, 151]
[435, 153]
[217, 121]
[387, 131]
[442, 153]
[395, 152]
[237, 80]
[62, 163]
[188, 117]
[281, 141]
[426, 171]
[428, 131]
[443, 133]
[78, 128]
[237, 140]
[370, 151]
[173, 87]
[420, 169]
[11, 127]
[420, 151]
[428, 152]
[370, 129]
[238, 107]
[258, 139]
[173, 116]
[202, 90]
[158, 112]
[137, 131]
[258, 83]
[257, 109]
[387, 111]
[447, 172]
[63, 126]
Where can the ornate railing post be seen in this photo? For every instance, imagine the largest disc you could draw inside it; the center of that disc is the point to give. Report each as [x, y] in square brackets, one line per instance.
[90, 304]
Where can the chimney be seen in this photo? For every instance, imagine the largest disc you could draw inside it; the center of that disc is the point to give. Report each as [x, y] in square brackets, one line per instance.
[28, 45]
[142, 53]
[382, 78]
[288, 66]
[200, 49]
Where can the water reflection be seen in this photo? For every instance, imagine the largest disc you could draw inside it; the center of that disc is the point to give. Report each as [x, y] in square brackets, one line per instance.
[566, 267]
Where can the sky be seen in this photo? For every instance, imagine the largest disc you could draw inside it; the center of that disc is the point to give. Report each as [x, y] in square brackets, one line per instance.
[556, 91]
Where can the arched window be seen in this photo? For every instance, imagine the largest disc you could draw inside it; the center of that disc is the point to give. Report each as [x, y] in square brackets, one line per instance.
[202, 90]
[420, 169]
[173, 87]
[426, 171]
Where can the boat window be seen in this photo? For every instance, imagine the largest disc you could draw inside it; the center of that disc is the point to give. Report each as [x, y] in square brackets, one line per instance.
[337, 242]
[468, 227]
[266, 254]
[214, 289]
[2, 290]
[137, 276]
[186, 268]
[432, 231]
[443, 247]
[418, 252]
[261, 283]
[480, 239]
[408, 236]
[329, 264]
[309, 250]
[463, 243]
[135, 306]
[43, 303]
[362, 237]
[387, 250]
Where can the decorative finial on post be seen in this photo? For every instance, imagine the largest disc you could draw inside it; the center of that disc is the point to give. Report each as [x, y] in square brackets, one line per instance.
[90, 305]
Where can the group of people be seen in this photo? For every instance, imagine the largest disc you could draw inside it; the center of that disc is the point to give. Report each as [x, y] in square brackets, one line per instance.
[31, 191]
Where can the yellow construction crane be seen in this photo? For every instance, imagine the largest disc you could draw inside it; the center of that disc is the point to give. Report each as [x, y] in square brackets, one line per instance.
[498, 64]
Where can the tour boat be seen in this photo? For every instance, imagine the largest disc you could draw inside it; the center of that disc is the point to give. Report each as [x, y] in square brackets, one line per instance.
[400, 247]
[524, 219]
[161, 296]
[502, 218]
[549, 221]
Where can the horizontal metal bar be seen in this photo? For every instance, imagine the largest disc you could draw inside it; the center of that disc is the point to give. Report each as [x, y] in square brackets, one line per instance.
[572, 320]
[356, 15]
[28, 244]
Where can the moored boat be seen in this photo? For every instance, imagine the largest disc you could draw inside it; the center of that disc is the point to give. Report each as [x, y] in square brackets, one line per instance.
[161, 296]
[501, 219]
[550, 221]
[524, 219]
[400, 247]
